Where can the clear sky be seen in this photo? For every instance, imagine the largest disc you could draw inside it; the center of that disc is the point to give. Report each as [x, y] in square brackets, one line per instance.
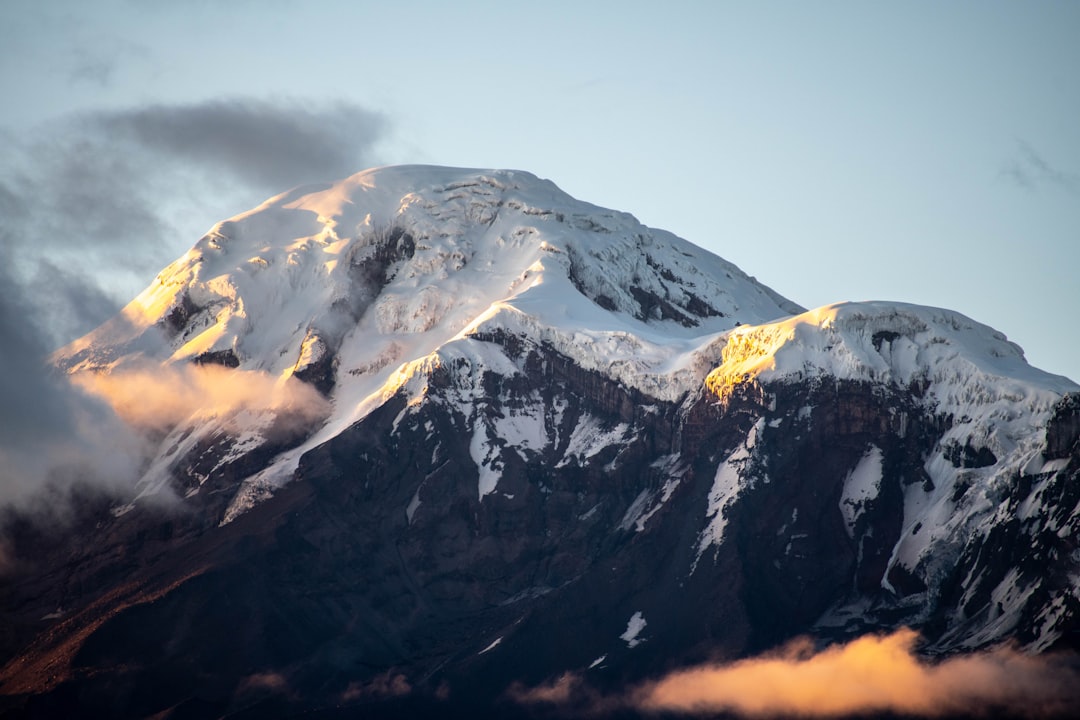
[927, 152]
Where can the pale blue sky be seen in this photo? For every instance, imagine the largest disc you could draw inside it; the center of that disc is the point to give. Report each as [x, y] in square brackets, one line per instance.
[927, 152]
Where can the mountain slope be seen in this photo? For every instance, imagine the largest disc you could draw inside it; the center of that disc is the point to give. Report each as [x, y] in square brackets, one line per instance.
[453, 430]
[349, 286]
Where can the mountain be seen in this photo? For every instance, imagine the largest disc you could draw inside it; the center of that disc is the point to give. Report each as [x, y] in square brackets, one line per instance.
[425, 435]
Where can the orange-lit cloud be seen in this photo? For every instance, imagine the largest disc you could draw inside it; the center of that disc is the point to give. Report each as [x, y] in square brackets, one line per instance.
[387, 685]
[159, 397]
[106, 425]
[867, 676]
[558, 692]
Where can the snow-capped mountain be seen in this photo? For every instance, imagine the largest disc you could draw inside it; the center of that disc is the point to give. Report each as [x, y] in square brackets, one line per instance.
[359, 286]
[454, 429]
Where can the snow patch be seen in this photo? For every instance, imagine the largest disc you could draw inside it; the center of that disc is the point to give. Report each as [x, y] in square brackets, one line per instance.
[631, 636]
[731, 478]
[414, 503]
[486, 456]
[861, 487]
[589, 437]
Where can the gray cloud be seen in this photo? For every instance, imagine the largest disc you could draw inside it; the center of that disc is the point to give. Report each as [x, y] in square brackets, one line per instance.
[92, 69]
[98, 60]
[103, 200]
[52, 436]
[268, 145]
[1031, 171]
[35, 406]
[91, 207]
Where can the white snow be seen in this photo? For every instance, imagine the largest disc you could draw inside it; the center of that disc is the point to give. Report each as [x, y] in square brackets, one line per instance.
[589, 437]
[492, 646]
[731, 478]
[648, 503]
[492, 250]
[860, 487]
[634, 626]
[486, 457]
[967, 366]
[636, 510]
[411, 508]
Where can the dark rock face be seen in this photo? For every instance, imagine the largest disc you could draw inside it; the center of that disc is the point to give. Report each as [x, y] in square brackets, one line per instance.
[177, 318]
[1063, 431]
[967, 456]
[386, 567]
[225, 358]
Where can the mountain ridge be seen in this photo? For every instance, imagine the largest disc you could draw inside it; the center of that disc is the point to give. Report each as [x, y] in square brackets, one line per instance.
[425, 258]
[432, 428]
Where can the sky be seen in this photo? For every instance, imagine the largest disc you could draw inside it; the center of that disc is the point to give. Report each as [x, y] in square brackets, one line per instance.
[924, 152]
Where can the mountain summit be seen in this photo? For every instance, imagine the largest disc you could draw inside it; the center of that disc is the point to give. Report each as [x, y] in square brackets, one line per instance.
[357, 286]
[424, 435]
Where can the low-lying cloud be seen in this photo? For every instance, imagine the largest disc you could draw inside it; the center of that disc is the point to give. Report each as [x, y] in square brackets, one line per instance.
[874, 674]
[157, 398]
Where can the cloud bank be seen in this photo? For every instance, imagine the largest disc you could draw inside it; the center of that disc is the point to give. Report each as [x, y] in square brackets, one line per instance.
[871, 675]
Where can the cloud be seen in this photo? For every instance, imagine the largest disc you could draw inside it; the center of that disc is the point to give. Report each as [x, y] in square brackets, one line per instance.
[387, 685]
[564, 690]
[1030, 171]
[871, 675]
[264, 682]
[93, 68]
[51, 435]
[271, 145]
[108, 198]
[157, 398]
[91, 207]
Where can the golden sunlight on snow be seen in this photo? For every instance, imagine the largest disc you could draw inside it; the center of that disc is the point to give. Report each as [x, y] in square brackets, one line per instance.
[751, 349]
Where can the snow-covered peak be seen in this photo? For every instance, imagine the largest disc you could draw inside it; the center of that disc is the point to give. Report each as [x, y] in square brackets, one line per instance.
[962, 369]
[357, 286]
[890, 342]
[405, 250]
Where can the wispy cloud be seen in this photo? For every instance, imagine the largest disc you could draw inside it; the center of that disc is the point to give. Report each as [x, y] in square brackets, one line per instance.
[1030, 170]
[867, 676]
[98, 63]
